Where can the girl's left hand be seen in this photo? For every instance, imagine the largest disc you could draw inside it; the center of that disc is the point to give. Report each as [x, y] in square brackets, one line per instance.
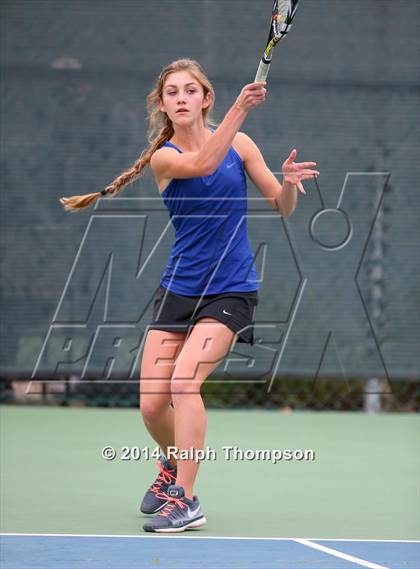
[295, 172]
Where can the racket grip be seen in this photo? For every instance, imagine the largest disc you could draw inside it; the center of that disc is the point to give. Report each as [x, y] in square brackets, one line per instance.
[262, 71]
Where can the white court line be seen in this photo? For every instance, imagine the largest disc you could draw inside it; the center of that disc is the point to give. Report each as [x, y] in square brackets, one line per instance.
[340, 554]
[368, 540]
[197, 536]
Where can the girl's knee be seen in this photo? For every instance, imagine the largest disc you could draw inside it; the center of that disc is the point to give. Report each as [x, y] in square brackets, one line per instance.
[181, 389]
[153, 407]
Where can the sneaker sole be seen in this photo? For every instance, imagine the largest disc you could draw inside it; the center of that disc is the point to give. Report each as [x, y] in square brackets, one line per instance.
[194, 524]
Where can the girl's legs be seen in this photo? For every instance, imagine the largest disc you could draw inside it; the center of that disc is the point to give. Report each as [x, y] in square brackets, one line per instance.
[158, 362]
[204, 349]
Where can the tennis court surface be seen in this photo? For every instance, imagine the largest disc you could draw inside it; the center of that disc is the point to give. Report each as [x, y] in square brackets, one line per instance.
[138, 552]
[355, 505]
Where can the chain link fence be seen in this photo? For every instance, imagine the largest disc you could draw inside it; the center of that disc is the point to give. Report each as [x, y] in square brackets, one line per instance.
[286, 394]
[73, 116]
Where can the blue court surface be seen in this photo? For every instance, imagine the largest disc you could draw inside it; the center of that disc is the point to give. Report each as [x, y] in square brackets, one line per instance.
[32, 551]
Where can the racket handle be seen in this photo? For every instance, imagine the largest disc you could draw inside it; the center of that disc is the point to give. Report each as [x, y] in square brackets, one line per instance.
[262, 71]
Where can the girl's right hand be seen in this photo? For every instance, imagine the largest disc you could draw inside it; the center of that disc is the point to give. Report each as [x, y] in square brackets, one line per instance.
[251, 96]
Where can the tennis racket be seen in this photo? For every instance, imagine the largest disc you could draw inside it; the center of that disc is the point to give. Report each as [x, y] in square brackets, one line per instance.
[281, 21]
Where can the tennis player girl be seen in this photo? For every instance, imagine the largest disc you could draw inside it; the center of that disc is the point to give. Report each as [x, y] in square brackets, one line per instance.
[208, 293]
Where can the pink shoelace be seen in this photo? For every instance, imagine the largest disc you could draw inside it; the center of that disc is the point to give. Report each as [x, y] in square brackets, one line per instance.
[164, 476]
[166, 511]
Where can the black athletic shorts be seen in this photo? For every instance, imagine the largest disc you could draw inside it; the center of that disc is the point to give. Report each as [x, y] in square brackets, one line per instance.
[177, 313]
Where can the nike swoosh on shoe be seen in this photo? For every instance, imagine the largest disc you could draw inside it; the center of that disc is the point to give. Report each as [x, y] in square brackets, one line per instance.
[192, 514]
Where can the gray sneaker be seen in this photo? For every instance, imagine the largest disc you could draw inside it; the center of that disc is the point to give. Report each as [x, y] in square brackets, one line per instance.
[153, 500]
[179, 514]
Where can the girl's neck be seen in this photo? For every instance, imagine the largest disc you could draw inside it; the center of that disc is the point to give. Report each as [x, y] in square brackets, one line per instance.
[192, 138]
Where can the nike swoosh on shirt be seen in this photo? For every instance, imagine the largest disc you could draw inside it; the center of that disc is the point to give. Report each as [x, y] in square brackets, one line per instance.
[230, 165]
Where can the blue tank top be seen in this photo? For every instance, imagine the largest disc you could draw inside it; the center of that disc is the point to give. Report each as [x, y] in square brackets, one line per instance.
[211, 252]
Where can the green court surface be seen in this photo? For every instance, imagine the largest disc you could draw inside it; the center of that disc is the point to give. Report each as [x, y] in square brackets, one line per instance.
[363, 483]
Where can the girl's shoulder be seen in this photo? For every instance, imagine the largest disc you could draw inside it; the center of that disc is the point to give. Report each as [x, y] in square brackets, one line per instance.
[243, 144]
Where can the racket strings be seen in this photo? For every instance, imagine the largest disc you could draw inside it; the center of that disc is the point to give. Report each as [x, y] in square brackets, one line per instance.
[283, 14]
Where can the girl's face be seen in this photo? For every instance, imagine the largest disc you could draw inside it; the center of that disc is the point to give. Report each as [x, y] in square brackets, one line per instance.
[183, 98]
